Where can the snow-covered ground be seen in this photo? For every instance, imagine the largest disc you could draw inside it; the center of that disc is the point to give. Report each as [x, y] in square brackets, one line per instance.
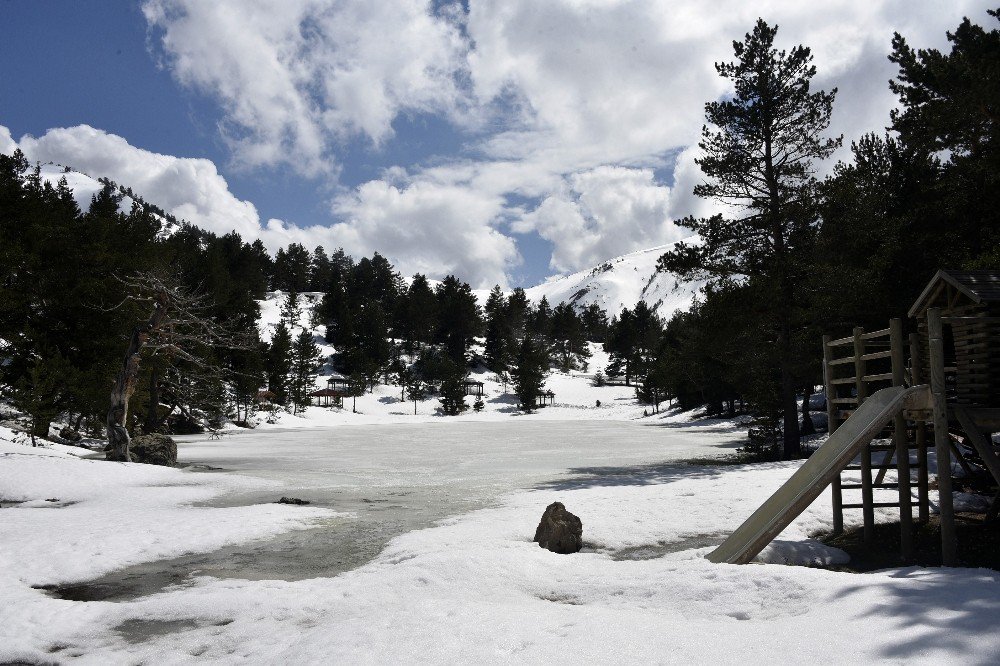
[472, 587]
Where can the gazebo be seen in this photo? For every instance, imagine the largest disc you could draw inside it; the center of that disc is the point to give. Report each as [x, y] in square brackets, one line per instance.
[472, 387]
[265, 398]
[327, 398]
[338, 383]
[546, 398]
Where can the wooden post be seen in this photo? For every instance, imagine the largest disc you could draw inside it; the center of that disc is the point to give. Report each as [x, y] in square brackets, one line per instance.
[867, 493]
[917, 378]
[831, 426]
[902, 445]
[935, 339]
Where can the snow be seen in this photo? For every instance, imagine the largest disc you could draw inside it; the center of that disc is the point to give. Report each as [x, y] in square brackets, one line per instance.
[83, 186]
[472, 587]
[619, 283]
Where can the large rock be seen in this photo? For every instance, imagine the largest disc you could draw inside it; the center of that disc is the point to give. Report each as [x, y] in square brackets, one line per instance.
[155, 449]
[559, 530]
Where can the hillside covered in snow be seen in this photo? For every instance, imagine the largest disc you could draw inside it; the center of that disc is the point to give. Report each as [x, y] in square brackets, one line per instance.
[621, 283]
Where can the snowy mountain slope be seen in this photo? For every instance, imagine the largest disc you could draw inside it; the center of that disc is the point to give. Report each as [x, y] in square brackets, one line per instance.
[85, 187]
[619, 283]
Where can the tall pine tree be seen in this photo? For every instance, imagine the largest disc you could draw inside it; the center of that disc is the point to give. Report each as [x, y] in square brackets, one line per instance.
[759, 151]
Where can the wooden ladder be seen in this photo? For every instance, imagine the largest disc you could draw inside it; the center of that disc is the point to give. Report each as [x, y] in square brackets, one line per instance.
[874, 360]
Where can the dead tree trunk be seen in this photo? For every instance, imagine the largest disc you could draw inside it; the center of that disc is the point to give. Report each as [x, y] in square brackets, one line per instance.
[124, 386]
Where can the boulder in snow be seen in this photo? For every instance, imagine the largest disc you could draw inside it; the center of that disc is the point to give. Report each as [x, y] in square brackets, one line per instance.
[559, 530]
[155, 449]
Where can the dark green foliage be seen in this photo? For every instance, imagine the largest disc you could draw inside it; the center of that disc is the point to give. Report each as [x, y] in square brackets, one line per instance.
[66, 307]
[459, 319]
[416, 391]
[305, 363]
[528, 373]
[279, 363]
[292, 269]
[595, 323]
[418, 313]
[569, 340]
[499, 333]
[759, 150]
[322, 270]
[631, 342]
[452, 392]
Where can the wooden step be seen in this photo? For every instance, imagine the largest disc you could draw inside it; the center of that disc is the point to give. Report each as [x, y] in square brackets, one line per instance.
[858, 486]
[875, 505]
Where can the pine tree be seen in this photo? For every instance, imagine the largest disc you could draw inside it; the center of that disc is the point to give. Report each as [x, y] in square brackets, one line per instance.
[291, 310]
[420, 314]
[321, 271]
[529, 372]
[498, 332]
[279, 363]
[306, 359]
[758, 154]
[459, 320]
[453, 391]
[416, 391]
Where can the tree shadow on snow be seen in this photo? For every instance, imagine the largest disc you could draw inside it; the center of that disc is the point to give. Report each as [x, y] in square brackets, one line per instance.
[949, 610]
[635, 475]
[705, 425]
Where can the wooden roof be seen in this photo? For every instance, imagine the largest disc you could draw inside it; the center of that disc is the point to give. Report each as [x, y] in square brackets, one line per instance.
[977, 286]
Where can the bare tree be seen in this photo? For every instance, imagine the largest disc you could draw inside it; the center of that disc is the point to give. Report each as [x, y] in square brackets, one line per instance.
[180, 327]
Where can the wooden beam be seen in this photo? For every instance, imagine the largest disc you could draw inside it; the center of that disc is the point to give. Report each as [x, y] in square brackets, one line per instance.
[832, 423]
[935, 334]
[983, 446]
[916, 378]
[899, 438]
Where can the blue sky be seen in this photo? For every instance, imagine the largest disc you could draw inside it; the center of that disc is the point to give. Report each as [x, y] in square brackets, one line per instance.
[504, 142]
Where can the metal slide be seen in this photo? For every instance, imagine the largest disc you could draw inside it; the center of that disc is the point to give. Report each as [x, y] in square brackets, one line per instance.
[806, 484]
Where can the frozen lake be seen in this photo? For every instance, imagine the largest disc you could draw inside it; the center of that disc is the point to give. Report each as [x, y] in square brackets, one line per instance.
[390, 479]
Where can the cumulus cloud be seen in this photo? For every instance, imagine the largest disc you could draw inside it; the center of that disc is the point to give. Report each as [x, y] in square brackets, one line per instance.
[578, 119]
[422, 227]
[7, 143]
[432, 229]
[189, 188]
[602, 213]
[295, 77]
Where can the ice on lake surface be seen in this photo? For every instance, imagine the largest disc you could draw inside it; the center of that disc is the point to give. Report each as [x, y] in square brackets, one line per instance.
[391, 479]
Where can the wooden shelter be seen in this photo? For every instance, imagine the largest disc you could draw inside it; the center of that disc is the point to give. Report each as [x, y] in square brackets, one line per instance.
[968, 301]
[327, 398]
[472, 387]
[546, 398]
[265, 398]
[338, 383]
[955, 352]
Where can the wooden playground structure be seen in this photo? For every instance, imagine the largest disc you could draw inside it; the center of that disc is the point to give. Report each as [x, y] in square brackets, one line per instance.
[890, 396]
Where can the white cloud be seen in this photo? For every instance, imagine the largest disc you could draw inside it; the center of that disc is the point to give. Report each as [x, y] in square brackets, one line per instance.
[297, 76]
[429, 228]
[421, 227]
[602, 213]
[7, 143]
[189, 188]
[570, 103]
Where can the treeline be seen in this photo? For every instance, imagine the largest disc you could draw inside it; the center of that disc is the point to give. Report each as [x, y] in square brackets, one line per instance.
[68, 304]
[72, 292]
[809, 256]
[418, 334]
